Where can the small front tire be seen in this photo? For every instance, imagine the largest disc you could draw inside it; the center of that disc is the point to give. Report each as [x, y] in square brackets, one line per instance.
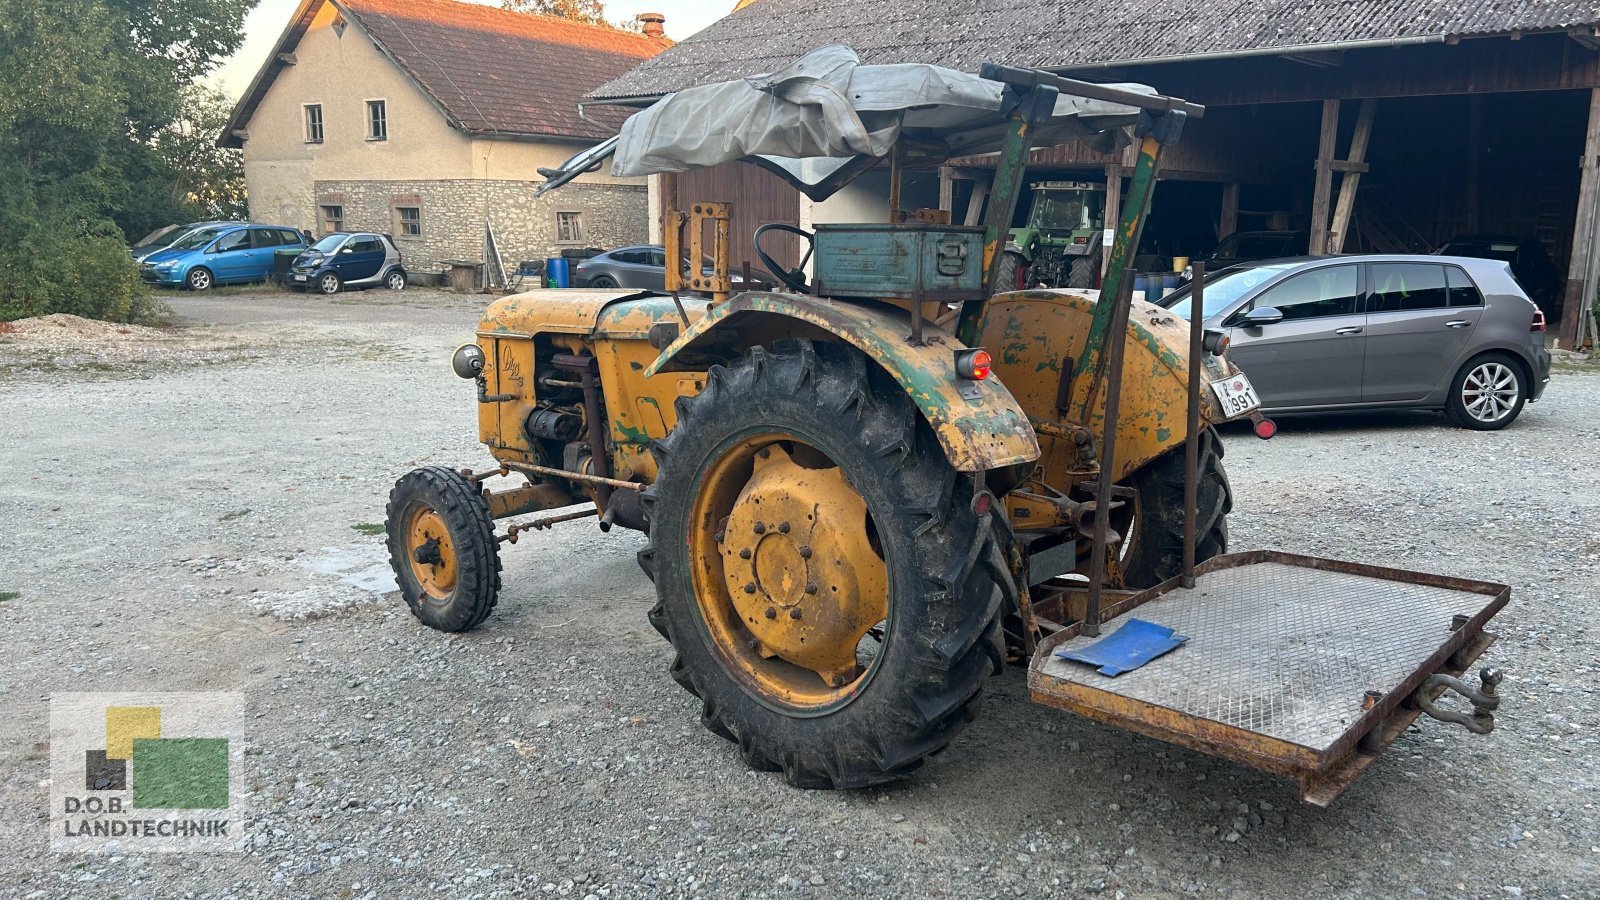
[443, 549]
[199, 279]
[1488, 393]
[603, 283]
[329, 283]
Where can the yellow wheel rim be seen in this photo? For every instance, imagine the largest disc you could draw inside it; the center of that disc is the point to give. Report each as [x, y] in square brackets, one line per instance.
[430, 552]
[785, 573]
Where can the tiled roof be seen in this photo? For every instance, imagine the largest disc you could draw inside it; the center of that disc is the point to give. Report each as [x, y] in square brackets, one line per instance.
[763, 35]
[497, 71]
[493, 72]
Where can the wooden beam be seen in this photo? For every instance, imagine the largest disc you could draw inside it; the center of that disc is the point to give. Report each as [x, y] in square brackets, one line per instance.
[1349, 165]
[1474, 150]
[1322, 192]
[1351, 182]
[1316, 58]
[947, 189]
[1587, 37]
[980, 193]
[1228, 223]
[1113, 212]
[287, 59]
[1579, 277]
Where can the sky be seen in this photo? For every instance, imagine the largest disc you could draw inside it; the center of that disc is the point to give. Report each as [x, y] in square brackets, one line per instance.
[267, 20]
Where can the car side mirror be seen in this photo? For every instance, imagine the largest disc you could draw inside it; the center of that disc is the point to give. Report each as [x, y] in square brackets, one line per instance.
[348, 250]
[1263, 315]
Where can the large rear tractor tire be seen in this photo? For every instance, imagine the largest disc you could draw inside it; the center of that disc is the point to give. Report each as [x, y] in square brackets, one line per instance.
[1013, 273]
[831, 586]
[443, 550]
[1154, 549]
[1084, 269]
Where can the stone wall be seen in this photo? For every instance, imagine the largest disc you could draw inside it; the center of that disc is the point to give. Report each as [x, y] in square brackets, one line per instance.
[455, 211]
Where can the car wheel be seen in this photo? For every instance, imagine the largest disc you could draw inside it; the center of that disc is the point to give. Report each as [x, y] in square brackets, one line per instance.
[200, 279]
[603, 283]
[396, 281]
[329, 283]
[1488, 393]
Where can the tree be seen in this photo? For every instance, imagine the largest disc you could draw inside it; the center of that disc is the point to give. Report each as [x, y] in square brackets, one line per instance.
[591, 12]
[202, 177]
[88, 89]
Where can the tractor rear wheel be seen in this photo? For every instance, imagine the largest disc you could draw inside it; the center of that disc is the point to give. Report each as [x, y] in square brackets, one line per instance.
[1153, 551]
[831, 586]
[443, 550]
[1013, 273]
[1084, 268]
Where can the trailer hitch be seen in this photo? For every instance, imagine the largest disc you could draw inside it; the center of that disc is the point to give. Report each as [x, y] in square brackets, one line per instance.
[1484, 701]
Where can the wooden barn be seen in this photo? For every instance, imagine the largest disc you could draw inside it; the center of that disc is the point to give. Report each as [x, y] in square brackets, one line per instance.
[1371, 126]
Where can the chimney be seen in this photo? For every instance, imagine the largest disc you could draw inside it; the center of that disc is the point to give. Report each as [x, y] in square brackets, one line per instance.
[653, 24]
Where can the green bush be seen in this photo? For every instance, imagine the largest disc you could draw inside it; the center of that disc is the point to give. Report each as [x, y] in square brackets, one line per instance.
[87, 274]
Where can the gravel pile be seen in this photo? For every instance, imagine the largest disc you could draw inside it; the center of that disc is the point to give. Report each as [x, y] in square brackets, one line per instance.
[209, 528]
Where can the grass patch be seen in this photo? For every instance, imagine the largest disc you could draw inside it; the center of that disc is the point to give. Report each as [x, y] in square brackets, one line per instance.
[235, 515]
[369, 529]
[9, 595]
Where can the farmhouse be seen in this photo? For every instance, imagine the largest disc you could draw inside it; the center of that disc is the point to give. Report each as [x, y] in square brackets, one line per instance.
[428, 120]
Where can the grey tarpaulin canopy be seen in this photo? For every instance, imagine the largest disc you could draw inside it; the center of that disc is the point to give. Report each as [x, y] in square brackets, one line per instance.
[827, 118]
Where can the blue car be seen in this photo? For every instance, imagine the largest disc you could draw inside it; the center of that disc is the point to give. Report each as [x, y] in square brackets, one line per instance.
[342, 260]
[220, 254]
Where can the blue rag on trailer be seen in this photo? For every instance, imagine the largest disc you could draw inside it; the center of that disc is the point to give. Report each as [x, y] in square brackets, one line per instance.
[1133, 644]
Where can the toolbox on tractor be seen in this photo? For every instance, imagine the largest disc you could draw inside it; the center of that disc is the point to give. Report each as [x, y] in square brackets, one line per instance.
[864, 493]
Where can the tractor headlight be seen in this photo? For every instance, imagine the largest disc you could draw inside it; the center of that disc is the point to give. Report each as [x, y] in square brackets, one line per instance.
[467, 361]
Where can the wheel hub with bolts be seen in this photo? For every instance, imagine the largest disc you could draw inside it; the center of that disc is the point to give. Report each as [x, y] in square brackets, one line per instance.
[433, 558]
[800, 568]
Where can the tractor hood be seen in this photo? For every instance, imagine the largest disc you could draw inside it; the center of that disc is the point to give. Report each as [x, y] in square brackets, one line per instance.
[827, 118]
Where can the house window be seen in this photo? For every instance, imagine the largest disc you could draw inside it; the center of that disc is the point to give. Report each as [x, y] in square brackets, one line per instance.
[569, 227]
[410, 220]
[332, 219]
[377, 120]
[313, 123]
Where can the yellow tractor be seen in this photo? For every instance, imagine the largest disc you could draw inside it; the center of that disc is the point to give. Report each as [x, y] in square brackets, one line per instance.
[864, 492]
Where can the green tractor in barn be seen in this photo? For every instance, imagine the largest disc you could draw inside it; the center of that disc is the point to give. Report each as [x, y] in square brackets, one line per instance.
[1061, 244]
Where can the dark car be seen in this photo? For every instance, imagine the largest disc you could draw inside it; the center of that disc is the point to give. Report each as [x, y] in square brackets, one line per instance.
[359, 259]
[1530, 265]
[643, 267]
[1365, 332]
[162, 238]
[1249, 246]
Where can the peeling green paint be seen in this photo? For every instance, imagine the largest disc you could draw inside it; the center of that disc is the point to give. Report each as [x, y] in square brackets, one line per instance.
[985, 432]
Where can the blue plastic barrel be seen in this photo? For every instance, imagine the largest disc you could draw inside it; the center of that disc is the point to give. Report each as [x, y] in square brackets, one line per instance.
[557, 273]
[1157, 288]
[1141, 283]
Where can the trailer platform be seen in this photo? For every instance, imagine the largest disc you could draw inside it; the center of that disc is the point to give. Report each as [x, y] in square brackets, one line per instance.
[1303, 667]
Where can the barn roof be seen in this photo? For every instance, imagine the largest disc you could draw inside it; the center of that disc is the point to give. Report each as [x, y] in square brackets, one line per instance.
[763, 35]
[491, 71]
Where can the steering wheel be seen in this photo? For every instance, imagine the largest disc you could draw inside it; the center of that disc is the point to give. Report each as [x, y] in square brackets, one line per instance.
[794, 279]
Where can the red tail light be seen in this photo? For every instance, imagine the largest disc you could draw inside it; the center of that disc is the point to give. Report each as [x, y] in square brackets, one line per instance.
[1538, 320]
[974, 365]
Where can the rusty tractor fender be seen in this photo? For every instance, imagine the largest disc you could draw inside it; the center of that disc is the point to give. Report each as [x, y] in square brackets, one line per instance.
[978, 423]
[1037, 340]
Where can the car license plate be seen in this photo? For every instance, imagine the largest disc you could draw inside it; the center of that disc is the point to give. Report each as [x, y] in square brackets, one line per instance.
[299, 278]
[1236, 394]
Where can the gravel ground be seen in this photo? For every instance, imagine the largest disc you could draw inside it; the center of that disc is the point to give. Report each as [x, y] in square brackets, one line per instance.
[194, 516]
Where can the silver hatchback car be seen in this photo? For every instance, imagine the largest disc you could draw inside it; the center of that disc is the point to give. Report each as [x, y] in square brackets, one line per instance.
[1370, 332]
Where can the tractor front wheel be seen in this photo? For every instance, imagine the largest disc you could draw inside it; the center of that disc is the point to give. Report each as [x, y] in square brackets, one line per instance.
[1153, 520]
[443, 550]
[831, 586]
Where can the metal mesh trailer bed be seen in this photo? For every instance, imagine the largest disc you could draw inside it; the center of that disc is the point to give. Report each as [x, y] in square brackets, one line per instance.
[1304, 667]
